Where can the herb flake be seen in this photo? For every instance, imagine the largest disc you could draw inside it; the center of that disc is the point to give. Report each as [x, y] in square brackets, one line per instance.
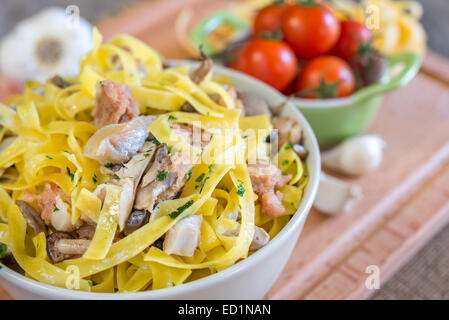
[72, 175]
[161, 175]
[189, 175]
[108, 165]
[181, 209]
[200, 177]
[240, 190]
[3, 250]
[48, 157]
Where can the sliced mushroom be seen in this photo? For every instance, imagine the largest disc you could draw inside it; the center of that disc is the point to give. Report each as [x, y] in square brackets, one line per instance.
[288, 130]
[203, 69]
[72, 246]
[135, 220]
[60, 82]
[52, 251]
[182, 239]
[146, 197]
[32, 217]
[130, 175]
[151, 174]
[87, 231]
[187, 107]
[300, 151]
[135, 167]
[253, 104]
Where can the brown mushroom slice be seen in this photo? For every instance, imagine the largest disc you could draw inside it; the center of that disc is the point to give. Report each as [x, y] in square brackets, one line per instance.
[187, 107]
[52, 251]
[87, 231]
[300, 151]
[288, 130]
[253, 104]
[146, 197]
[136, 219]
[32, 217]
[129, 177]
[202, 70]
[72, 246]
[60, 82]
[151, 174]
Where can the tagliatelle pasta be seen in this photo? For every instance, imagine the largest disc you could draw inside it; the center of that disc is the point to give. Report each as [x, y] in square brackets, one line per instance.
[205, 173]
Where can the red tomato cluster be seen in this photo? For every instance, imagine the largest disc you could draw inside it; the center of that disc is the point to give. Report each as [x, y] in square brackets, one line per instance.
[302, 48]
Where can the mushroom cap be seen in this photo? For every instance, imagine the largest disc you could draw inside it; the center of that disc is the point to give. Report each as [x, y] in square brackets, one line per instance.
[52, 252]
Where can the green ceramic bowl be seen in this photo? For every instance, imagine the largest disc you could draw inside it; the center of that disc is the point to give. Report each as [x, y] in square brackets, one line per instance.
[332, 119]
[336, 119]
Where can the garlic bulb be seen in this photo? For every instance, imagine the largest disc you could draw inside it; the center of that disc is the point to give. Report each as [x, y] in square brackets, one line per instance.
[335, 195]
[355, 156]
[44, 45]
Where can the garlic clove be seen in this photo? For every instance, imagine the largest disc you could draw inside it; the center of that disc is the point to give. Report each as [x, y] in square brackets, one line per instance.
[355, 156]
[335, 195]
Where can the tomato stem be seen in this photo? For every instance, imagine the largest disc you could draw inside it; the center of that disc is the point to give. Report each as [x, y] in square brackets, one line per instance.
[274, 35]
[324, 91]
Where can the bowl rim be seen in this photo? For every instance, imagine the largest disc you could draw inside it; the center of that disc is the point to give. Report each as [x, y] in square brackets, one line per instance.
[40, 288]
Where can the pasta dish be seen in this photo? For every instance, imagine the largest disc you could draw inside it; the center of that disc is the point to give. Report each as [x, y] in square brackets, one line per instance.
[137, 175]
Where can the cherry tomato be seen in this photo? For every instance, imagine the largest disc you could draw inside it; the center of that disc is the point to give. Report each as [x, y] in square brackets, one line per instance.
[310, 28]
[354, 40]
[271, 61]
[267, 20]
[325, 77]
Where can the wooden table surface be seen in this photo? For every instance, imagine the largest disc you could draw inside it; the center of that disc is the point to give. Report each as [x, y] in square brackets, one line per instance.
[406, 200]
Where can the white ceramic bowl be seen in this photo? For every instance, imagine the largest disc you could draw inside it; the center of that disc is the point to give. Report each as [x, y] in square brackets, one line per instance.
[248, 279]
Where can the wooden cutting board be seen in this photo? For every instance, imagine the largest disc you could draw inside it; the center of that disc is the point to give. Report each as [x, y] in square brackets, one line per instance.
[406, 201]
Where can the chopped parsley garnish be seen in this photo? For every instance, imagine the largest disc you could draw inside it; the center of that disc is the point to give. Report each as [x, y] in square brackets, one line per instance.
[3, 250]
[56, 209]
[240, 190]
[108, 165]
[181, 209]
[292, 204]
[48, 157]
[285, 162]
[288, 146]
[189, 175]
[116, 177]
[161, 175]
[90, 283]
[200, 177]
[66, 151]
[170, 117]
[94, 178]
[204, 182]
[155, 141]
[72, 176]
[147, 153]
